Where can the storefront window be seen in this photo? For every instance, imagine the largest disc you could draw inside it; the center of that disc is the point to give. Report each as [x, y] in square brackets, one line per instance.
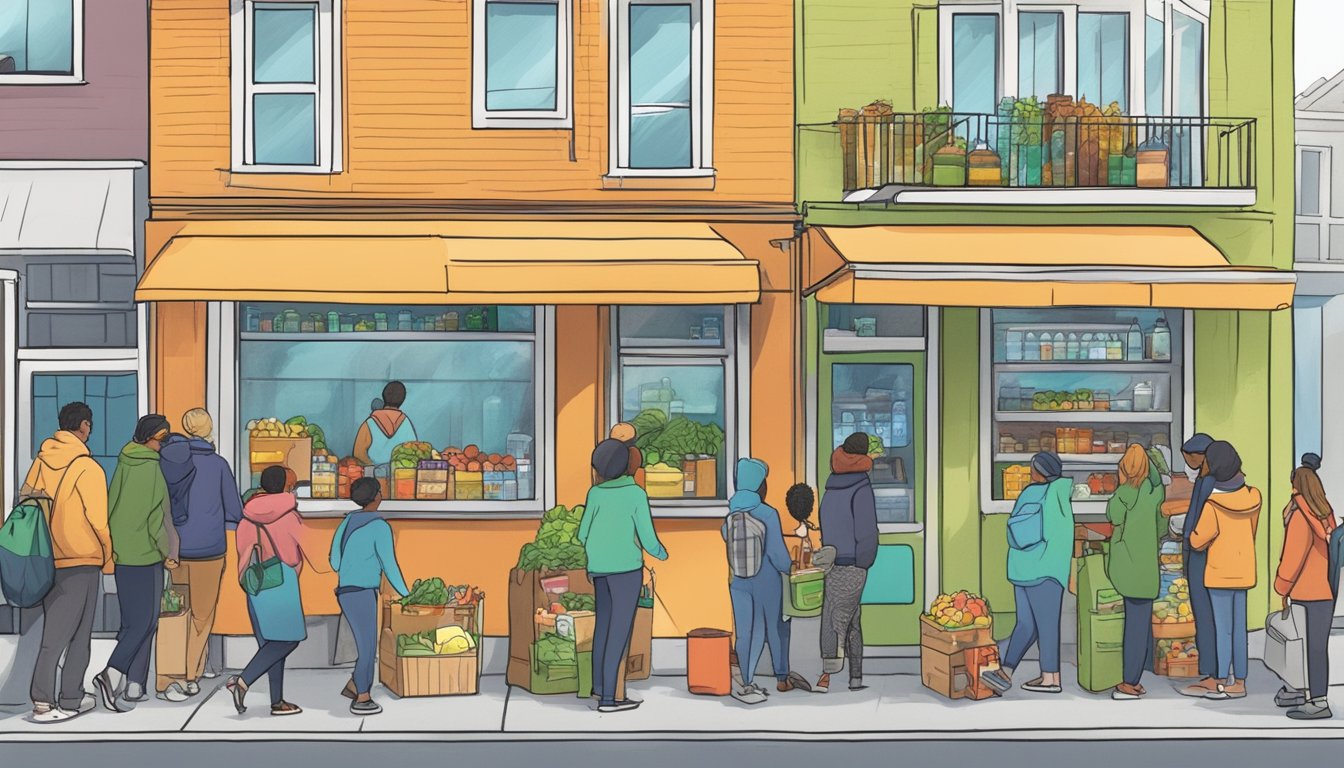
[470, 410]
[869, 327]
[675, 376]
[877, 399]
[1084, 384]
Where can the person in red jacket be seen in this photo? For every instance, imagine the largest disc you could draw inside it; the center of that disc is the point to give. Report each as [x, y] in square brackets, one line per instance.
[1303, 578]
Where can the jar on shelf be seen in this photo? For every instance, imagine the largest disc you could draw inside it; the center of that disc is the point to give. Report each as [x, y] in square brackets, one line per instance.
[380, 321]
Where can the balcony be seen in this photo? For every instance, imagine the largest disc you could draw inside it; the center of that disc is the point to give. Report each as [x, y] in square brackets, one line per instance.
[1062, 154]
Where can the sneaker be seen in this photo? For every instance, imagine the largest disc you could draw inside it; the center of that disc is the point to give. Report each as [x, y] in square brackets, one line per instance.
[108, 689]
[1038, 686]
[823, 684]
[87, 704]
[238, 690]
[192, 688]
[784, 686]
[747, 694]
[1235, 690]
[1200, 690]
[174, 693]
[135, 693]
[799, 682]
[1126, 692]
[285, 708]
[369, 707]
[624, 705]
[47, 714]
[1290, 697]
[997, 679]
[1316, 709]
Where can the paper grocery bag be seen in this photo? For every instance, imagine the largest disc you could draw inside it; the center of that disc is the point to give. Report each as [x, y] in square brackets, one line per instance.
[170, 652]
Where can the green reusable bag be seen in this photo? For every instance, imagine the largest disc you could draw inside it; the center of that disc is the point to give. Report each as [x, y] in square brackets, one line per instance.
[262, 574]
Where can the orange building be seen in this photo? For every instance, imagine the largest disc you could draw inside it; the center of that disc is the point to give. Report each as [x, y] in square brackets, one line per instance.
[542, 217]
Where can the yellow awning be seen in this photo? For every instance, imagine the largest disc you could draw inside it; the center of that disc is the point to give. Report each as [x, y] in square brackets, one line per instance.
[1034, 266]
[451, 262]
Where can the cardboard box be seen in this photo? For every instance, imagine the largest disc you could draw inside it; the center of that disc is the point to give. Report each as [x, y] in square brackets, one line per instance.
[448, 675]
[950, 641]
[170, 647]
[944, 673]
[296, 453]
[584, 623]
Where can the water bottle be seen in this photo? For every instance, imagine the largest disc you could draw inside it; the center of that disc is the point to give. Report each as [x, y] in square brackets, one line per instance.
[1134, 345]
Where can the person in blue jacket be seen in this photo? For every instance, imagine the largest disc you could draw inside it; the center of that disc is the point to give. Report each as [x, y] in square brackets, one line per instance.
[758, 600]
[362, 553]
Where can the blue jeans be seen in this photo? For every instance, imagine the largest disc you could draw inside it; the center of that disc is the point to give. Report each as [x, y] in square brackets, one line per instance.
[1138, 638]
[1038, 608]
[269, 660]
[758, 615]
[1229, 626]
[617, 599]
[139, 596]
[1202, 607]
[360, 607]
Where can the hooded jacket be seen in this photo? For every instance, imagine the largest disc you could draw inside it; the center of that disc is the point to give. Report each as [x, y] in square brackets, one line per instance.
[1304, 567]
[278, 512]
[203, 496]
[1226, 531]
[849, 511]
[66, 473]
[751, 473]
[1136, 513]
[142, 531]
[1049, 558]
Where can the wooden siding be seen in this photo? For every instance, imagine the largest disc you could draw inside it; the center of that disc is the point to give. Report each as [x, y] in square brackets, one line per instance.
[407, 101]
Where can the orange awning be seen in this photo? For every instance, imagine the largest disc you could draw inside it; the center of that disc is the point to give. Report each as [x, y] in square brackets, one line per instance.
[451, 262]
[1034, 266]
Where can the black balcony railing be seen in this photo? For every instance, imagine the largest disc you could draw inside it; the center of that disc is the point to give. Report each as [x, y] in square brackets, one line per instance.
[952, 149]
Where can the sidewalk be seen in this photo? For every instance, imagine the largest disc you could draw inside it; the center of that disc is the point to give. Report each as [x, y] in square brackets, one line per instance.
[896, 706]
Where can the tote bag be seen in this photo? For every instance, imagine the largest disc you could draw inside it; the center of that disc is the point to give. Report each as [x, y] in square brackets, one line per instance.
[262, 574]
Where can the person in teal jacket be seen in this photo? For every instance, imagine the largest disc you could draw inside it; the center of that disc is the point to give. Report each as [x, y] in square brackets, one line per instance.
[362, 553]
[1040, 549]
[616, 531]
[1135, 510]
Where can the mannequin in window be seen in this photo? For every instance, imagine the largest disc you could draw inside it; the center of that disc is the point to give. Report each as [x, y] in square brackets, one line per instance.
[385, 429]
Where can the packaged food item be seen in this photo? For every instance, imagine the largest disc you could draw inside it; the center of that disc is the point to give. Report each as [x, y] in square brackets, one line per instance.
[324, 482]
[403, 483]
[469, 486]
[492, 488]
[431, 480]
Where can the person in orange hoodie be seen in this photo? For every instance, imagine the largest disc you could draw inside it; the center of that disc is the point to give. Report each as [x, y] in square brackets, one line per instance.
[81, 544]
[1226, 531]
[1303, 578]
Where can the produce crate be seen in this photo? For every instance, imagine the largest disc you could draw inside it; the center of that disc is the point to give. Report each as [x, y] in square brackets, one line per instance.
[447, 675]
[1176, 667]
[1180, 630]
[949, 641]
[528, 592]
[944, 673]
[295, 453]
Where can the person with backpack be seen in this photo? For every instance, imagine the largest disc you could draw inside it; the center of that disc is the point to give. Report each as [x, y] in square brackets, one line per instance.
[616, 531]
[1135, 511]
[204, 503]
[849, 528]
[73, 487]
[1040, 550]
[271, 554]
[757, 557]
[1304, 579]
[362, 553]
[144, 542]
[1226, 532]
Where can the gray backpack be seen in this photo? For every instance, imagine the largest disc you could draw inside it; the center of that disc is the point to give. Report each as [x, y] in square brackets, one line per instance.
[745, 537]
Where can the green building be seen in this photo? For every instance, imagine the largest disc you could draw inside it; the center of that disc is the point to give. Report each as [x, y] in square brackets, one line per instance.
[1059, 227]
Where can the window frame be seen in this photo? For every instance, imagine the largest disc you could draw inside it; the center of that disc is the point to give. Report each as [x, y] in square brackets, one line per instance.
[76, 75]
[1068, 44]
[735, 358]
[327, 74]
[563, 114]
[223, 343]
[702, 91]
[1138, 10]
[1322, 219]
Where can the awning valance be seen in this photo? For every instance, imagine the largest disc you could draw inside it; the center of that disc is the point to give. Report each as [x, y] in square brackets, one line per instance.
[451, 262]
[1034, 266]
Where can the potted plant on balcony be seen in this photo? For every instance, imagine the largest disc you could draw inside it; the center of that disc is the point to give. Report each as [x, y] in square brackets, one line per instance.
[937, 131]
[1026, 134]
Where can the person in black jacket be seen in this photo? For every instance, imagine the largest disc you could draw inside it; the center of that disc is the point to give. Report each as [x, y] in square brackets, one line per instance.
[849, 526]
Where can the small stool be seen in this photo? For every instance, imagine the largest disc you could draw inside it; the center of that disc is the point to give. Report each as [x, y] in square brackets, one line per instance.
[707, 671]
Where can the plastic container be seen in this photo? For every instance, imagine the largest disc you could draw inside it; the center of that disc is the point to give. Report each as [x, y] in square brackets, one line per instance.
[524, 479]
[985, 167]
[518, 445]
[1143, 396]
[469, 486]
[708, 672]
[324, 482]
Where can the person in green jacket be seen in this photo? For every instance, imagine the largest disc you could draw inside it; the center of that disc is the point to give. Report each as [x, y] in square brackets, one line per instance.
[1132, 565]
[143, 542]
[616, 531]
[1040, 549]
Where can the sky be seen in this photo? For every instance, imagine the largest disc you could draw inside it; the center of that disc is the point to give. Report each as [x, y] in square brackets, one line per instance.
[1318, 53]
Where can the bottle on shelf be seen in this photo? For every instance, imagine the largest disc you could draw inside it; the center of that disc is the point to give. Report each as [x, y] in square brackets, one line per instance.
[1161, 341]
[1047, 347]
[1134, 342]
[1060, 345]
[1115, 348]
[1031, 347]
[1073, 350]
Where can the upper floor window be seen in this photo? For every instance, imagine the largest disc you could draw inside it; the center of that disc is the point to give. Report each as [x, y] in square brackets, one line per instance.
[286, 84]
[1145, 56]
[41, 41]
[663, 121]
[521, 64]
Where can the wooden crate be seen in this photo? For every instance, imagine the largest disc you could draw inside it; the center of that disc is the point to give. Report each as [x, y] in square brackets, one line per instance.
[409, 676]
[952, 640]
[1180, 630]
[296, 453]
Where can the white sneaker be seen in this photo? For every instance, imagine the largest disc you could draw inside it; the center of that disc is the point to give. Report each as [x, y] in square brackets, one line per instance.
[193, 687]
[46, 714]
[135, 692]
[87, 704]
[175, 694]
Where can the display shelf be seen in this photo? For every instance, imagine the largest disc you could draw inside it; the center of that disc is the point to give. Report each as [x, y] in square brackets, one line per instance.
[389, 336]
[1091, 366]
[1076, 459]
[1083, 417]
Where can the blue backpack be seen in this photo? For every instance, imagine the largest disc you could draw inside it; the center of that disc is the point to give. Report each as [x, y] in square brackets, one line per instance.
[27, 566]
